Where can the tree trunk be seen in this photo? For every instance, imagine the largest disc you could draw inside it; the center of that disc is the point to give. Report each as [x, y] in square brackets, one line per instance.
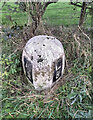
[92, 35]
[82, 15]
[35, 24]
[29, 16]
[37, 10]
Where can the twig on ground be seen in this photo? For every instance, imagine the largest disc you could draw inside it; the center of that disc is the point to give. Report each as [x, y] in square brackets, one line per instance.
[84, 33]
[13, 53]
[77, 42]
[14, 42]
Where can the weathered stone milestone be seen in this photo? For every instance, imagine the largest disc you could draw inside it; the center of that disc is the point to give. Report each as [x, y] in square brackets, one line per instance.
[43, 61]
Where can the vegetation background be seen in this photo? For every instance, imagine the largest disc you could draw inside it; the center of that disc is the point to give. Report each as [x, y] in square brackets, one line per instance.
[71, 97]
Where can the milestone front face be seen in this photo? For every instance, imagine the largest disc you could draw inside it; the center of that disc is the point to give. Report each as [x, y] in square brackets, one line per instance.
[43, 61]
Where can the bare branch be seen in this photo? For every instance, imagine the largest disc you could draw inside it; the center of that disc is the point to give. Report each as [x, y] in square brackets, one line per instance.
[48, 3]
[3, 4]
[78, 4]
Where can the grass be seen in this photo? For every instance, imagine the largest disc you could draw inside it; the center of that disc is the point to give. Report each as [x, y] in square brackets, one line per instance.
[19, 17]
[70, 98]
[64, 13]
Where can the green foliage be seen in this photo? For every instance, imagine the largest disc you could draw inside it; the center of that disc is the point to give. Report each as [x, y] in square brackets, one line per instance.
[10, 65]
